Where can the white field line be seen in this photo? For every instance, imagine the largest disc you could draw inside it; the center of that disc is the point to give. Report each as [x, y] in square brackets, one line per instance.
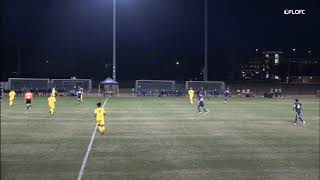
[84, 162]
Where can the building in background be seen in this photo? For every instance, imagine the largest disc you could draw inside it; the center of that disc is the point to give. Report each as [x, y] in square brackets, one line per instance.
[265, 66]
[278, 66]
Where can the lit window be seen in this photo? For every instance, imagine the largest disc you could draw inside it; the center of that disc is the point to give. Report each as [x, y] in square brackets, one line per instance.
[276, 59]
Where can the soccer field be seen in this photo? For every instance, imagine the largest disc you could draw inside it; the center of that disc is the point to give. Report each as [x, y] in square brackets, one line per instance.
[161, 138]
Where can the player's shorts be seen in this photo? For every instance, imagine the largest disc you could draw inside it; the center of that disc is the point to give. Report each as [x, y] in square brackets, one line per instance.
[201, 104]
[100, 122]
[28, 101]
[298, 112]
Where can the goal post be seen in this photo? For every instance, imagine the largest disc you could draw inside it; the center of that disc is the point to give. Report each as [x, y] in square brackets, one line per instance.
[208, 86]
[28, 83]
[153, 87]
[72, 84]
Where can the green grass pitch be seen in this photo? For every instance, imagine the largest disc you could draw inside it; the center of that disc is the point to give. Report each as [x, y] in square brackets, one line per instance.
[161, 138]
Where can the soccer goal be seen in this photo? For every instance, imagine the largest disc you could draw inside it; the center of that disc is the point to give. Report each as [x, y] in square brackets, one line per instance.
[208, 86]
[154, 87]
[72, 84]
[28, 83]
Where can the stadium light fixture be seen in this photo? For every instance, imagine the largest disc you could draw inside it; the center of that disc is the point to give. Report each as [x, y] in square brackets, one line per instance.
[257, 53]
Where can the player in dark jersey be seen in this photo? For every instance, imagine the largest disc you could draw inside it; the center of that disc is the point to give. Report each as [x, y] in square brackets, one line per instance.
[79, 94]
[1, 93]
[297, 107]
[201, 104]
[226, 95]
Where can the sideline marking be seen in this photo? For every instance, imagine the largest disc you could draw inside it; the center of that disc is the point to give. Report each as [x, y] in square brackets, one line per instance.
[84, 162]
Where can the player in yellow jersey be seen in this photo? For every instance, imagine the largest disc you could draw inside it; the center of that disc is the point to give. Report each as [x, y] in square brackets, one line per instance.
[99, 114]
[52, 104]
[53, 92]
[12, 96]
[191, 95]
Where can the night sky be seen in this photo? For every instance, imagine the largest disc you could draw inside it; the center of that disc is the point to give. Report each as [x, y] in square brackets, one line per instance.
[75, 36]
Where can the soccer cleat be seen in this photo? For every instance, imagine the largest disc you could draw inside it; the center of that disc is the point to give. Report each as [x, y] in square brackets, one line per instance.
[303, 123]
[295, 124]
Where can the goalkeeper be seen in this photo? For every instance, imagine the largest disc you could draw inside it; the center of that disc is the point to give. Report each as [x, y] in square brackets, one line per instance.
[191, 94]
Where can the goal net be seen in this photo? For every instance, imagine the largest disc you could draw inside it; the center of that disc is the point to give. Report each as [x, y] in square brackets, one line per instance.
[72, 84]
[209, 87]
[28, 83]
[154, 87]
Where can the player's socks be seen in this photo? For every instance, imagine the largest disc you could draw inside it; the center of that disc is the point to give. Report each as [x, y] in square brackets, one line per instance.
[100, 129]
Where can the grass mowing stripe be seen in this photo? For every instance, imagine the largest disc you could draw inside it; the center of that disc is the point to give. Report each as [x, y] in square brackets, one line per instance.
[89, 148]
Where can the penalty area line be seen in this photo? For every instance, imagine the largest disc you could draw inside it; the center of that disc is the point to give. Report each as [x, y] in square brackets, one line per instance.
[84, 162]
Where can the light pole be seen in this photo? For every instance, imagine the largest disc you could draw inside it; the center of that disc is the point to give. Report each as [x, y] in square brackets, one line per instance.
[114, 42]
[18, 61]
[205, 69]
